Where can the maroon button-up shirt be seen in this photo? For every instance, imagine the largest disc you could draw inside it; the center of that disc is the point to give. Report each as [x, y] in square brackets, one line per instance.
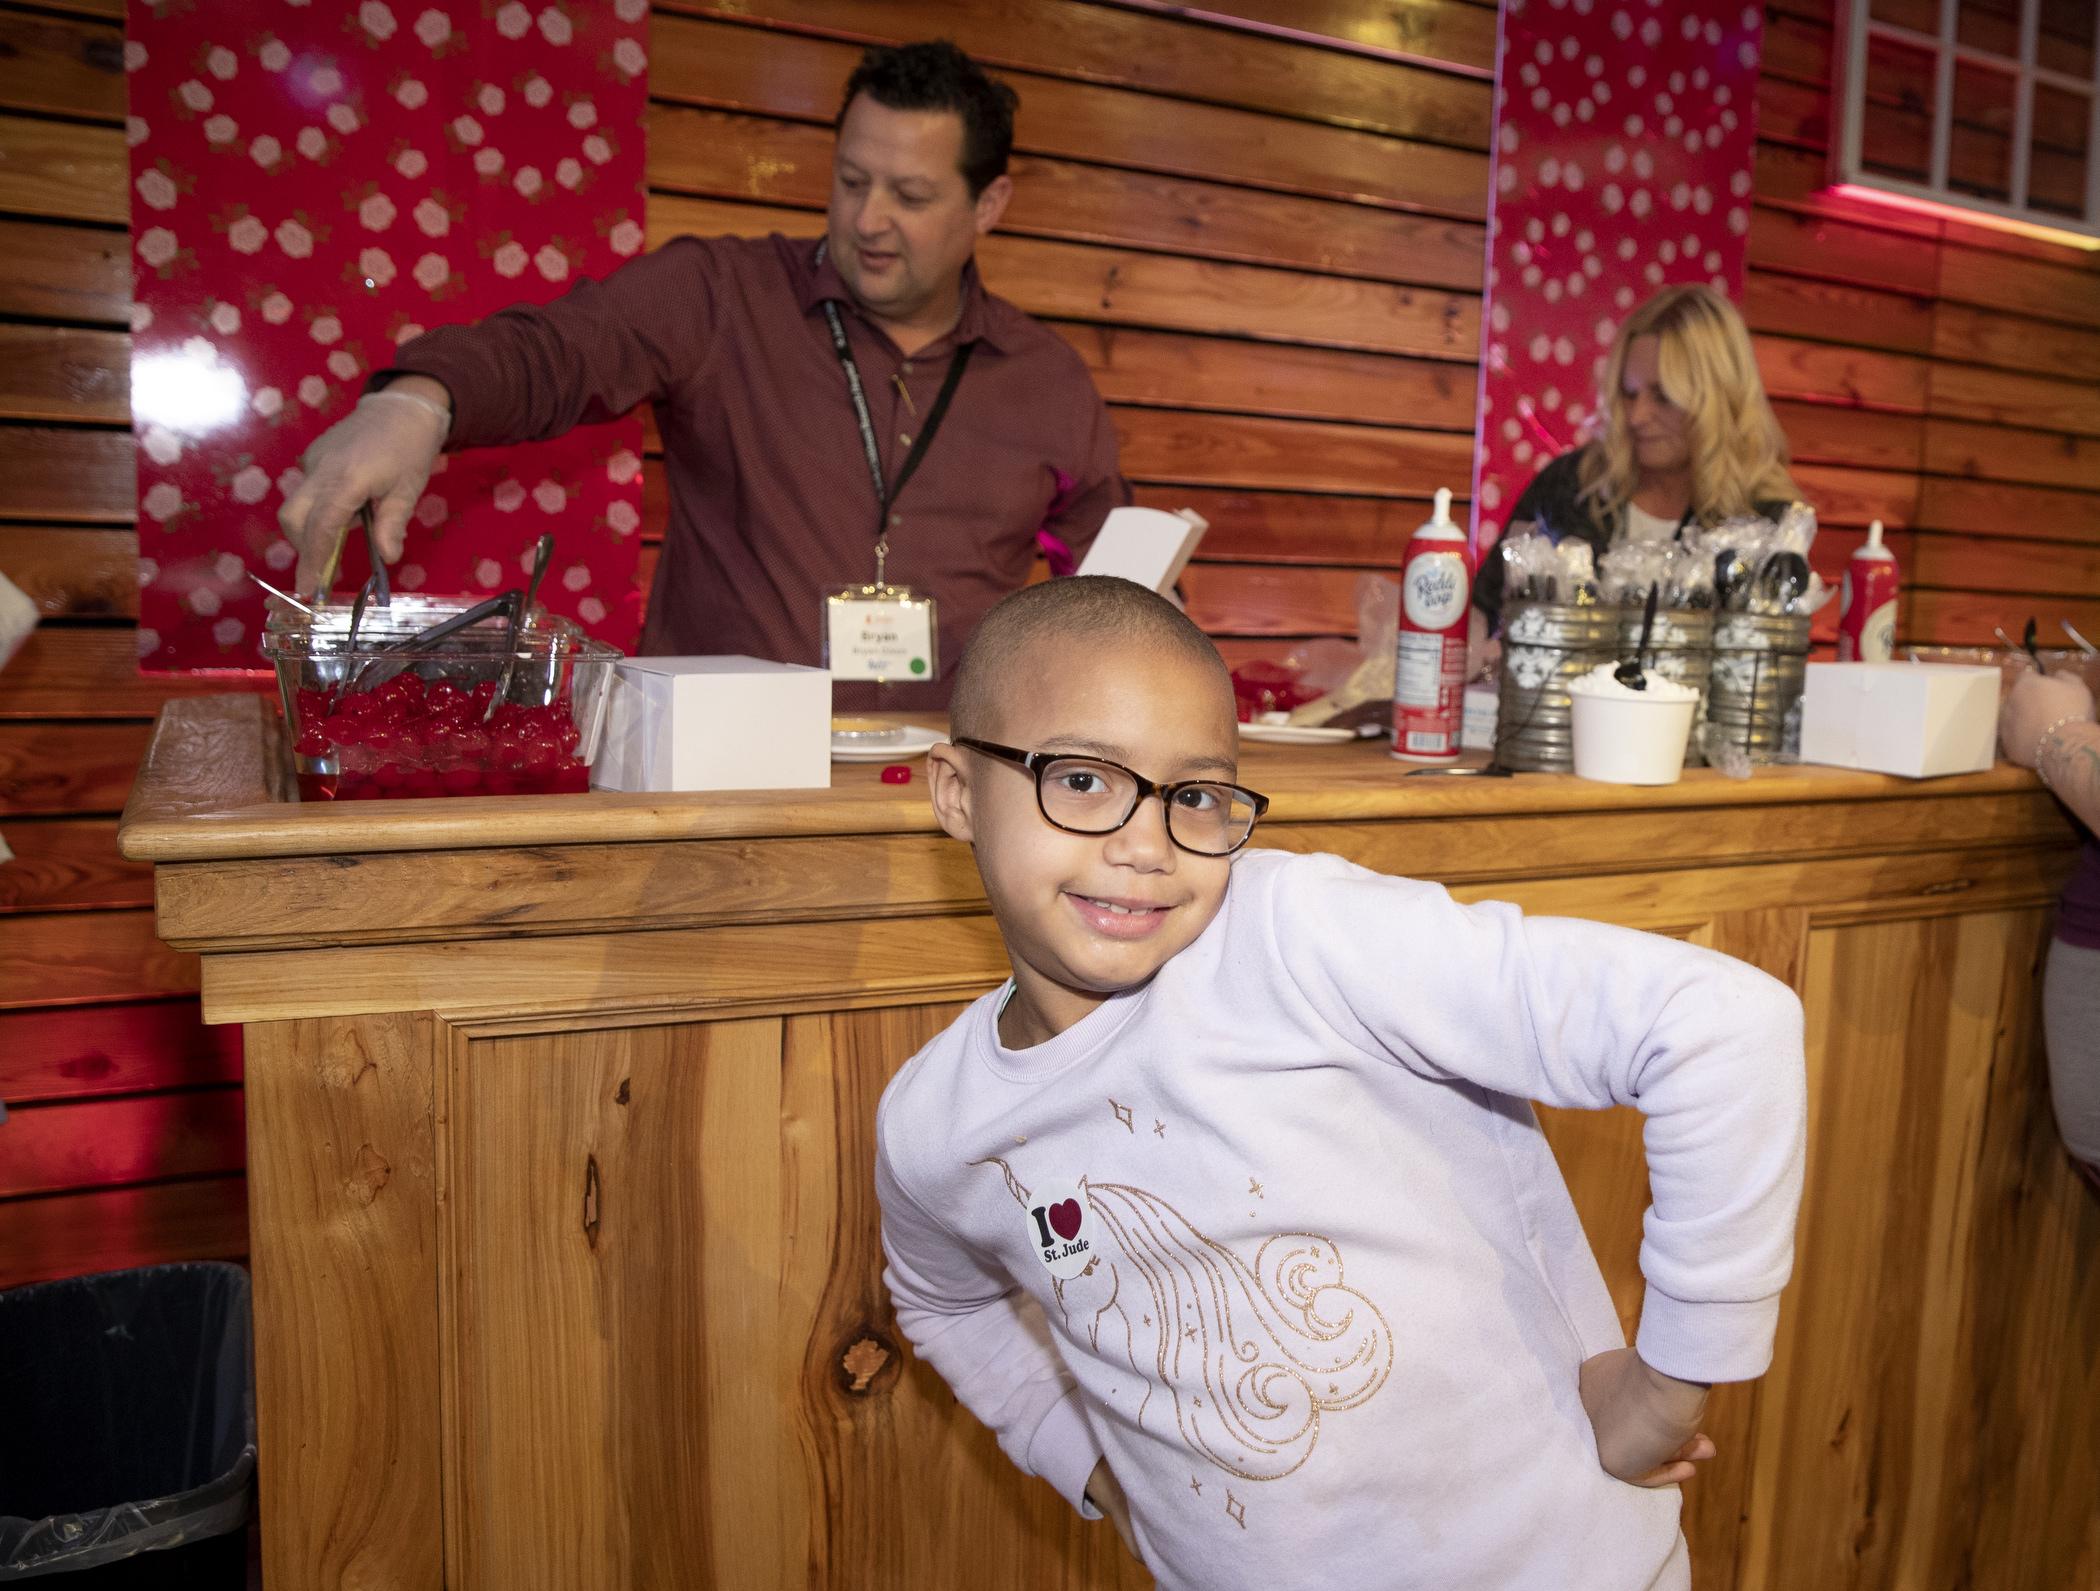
[771, 502]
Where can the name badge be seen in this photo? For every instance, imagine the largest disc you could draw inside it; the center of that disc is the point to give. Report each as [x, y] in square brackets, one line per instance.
[880, 635]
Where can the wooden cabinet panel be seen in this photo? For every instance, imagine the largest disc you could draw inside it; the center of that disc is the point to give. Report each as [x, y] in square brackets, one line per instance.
[676, 1363]
[1937, 1269]
[343, 1210]
[614, 1305]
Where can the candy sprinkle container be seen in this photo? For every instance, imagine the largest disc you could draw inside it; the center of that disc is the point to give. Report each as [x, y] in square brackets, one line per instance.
[391, 721]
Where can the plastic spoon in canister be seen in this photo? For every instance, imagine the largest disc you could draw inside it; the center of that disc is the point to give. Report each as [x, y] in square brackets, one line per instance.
[1633, 674]
[1731, 575]
[1783, 581]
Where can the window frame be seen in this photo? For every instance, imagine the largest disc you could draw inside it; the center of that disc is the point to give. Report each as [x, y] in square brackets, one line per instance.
[1849, 96]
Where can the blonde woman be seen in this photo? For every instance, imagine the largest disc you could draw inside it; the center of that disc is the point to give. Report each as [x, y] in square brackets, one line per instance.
[1683, 436]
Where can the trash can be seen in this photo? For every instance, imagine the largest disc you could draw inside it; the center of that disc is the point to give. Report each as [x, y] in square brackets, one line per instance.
[127, 1427]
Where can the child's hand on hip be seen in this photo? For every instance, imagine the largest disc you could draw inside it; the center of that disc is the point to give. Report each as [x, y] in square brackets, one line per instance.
[1106, 1494]
[1647, 1423]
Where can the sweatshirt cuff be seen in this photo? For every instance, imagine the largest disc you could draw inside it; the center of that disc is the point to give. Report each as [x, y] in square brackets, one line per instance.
[1063, 1452]
[1707, 1341]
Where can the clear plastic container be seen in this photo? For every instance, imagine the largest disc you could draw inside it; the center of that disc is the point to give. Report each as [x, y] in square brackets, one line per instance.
[375, 724]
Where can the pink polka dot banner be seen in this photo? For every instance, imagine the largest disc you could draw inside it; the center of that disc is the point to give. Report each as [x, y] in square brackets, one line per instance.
[314, 182]
[1624, 147]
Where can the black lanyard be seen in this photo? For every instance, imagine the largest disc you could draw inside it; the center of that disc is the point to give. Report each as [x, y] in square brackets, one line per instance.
[886, 495]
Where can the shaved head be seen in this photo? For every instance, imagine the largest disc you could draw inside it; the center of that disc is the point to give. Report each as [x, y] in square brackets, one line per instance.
[1003, 657]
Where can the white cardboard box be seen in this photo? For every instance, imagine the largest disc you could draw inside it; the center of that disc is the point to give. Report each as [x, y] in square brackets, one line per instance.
[1920, 719]
[716, 723]
[1148, 545]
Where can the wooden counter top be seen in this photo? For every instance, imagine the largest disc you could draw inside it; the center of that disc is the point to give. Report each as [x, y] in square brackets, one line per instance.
[213, 787]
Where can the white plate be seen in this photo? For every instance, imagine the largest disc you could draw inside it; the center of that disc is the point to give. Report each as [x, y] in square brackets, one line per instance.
[912, 743]
[1296, 734]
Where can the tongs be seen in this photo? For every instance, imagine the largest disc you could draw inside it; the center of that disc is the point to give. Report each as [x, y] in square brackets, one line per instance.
[514, 605]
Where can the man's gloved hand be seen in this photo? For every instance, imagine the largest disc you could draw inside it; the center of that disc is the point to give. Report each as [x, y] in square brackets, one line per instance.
[381, 453]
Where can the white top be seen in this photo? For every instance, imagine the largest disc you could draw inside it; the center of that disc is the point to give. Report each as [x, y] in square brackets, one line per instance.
[1644, 526]
[1278, 1234]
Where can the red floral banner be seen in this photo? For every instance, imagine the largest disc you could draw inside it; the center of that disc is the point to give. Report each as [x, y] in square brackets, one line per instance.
[1624, 145]
[316, 181]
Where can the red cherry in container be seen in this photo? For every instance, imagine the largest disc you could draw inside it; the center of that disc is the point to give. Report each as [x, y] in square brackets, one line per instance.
[311, 743]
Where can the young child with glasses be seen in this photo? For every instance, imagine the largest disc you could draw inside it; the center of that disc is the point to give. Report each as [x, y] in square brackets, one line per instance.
[1229, 1213]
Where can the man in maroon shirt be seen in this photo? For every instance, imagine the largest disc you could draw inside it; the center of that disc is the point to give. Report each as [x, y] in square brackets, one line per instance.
[773, 475]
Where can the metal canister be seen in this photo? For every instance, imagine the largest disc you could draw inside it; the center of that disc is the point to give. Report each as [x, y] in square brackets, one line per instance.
[1680, 648]
[1546, 646]
[1760, 668]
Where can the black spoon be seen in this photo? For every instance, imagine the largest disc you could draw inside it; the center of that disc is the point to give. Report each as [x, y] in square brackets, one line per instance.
[1632, 674]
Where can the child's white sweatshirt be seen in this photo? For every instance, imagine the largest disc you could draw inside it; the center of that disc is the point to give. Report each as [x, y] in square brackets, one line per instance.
[1278, 1234]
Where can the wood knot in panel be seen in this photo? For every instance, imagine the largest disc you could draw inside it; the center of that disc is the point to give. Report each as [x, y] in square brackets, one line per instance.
[371, 1173]
[862, 1362]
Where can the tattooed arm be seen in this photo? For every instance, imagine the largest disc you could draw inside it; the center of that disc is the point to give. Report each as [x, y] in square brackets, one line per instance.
[2047, 724]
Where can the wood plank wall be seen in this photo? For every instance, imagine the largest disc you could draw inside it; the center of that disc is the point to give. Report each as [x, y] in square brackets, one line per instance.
[1268, 249]
[1941, 375]
[124, 1140]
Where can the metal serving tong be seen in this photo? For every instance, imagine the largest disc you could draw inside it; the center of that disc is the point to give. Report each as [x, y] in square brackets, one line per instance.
[520, 616]
[377, 580]
[514, 605]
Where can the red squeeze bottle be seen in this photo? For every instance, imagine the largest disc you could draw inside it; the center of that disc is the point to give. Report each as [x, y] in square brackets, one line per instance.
[1429, 675]
[1867, 615]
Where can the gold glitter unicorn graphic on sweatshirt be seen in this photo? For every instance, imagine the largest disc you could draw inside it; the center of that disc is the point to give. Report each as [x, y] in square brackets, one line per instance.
[1252, 1356]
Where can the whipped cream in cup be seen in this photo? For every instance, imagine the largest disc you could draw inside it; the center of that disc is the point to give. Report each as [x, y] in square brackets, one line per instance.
[1603, 680]
[1625, 736]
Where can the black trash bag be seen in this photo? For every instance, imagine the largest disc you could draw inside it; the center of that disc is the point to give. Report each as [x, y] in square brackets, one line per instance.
[127, 1416]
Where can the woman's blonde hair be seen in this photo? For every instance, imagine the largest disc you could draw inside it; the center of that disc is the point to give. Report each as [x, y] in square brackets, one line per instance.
[1707, 369]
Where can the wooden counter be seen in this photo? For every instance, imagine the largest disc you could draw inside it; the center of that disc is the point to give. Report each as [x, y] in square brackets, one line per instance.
[565, 1245]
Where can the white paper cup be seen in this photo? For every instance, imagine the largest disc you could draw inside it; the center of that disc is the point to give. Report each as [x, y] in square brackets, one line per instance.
[1631, 739]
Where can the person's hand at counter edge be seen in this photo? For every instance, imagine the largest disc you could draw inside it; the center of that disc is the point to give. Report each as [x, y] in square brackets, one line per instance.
[381, 453]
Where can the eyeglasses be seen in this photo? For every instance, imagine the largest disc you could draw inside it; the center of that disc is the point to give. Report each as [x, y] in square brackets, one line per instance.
[1089, 795]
